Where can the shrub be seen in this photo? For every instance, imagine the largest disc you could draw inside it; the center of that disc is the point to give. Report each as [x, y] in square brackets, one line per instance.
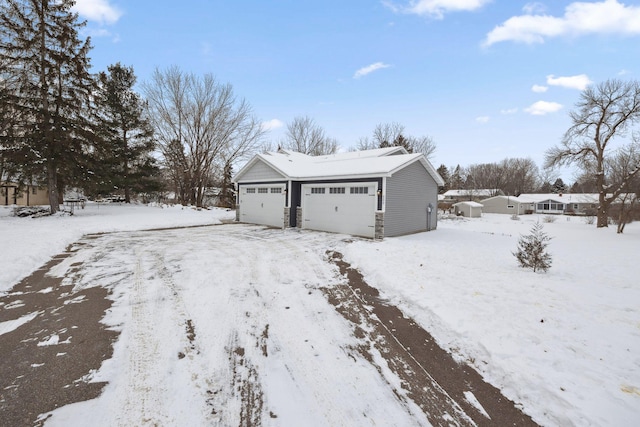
[549, 219]
[515, 217]
[532, 252]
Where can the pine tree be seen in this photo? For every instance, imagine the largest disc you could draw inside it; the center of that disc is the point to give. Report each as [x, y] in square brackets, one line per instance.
[41, 49]
[227, 195]
[127, 135]
[532, 252]
[559, 186]
[444, 173]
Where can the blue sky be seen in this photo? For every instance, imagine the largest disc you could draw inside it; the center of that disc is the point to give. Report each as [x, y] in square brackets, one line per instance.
[486, 79]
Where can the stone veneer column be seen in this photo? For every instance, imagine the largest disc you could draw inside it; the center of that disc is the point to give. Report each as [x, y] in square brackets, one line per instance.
[379, 229]
[287, 216]
[237, 213]
[299, 217]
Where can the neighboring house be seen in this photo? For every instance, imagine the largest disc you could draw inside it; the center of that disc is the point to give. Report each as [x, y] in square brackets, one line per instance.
[372, 193]
[25, 195]
[508, 205]
[454, 196]
[561, 203]
[468, 209]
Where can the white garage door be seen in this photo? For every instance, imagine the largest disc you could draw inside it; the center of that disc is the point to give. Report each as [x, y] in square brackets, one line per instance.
[262, 204]
[340, 208]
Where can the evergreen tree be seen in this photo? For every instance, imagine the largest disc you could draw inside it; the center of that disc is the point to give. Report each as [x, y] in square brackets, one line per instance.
[444, 173]
[532, 252]
[559, 187]
[227, 195]
[127, 134]
[41, 49]
[457, 180]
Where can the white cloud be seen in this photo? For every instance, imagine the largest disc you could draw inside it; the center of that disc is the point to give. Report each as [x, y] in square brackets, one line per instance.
[272, 124]
[604, 17]
[482, 119]
[509, 111]
[541, 108]
[98, 10]
[539, 88]
[370, 69]
[437, 8]
[580, 82]
[623, 72]
[534, 8]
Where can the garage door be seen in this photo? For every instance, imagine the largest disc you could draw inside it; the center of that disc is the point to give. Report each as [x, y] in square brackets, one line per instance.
[340, 208]
[262, 204]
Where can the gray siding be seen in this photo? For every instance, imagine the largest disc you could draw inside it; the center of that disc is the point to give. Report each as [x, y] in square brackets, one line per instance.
[409, 192]
[260, 171]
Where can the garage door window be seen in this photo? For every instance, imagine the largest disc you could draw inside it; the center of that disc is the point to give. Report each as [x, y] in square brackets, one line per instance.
[359, 190]
[263, 190]
[317, 190]
[336, 190]
[276, 190]
[251, 190]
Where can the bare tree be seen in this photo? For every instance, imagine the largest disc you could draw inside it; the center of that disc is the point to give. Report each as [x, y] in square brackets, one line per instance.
[619, 167]
[305, 136]
[423, 144]
[201, 126]
[604, 112]
[522, 176]
[393, 135]
[364, 143]
[385, 134]
[491, 176]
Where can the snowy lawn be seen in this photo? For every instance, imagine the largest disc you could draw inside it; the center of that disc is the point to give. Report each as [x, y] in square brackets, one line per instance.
[27, 243]
[565, 344]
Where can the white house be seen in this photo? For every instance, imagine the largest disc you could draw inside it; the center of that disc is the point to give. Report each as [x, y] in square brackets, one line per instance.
[372, 193]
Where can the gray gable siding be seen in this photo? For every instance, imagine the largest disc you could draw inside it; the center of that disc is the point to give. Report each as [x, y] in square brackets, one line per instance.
[260, 171]
[409, 192]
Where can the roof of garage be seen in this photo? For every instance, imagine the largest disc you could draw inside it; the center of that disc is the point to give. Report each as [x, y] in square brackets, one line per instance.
[356, 164]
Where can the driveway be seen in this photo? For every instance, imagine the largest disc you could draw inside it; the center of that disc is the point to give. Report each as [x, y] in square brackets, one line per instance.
[225, 325]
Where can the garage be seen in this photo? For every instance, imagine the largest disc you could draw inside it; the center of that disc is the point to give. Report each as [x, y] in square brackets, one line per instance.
[262, 204]
[369, 193]
[340, 207]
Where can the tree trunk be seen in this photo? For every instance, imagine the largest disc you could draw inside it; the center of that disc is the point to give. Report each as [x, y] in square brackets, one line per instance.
[52, 184]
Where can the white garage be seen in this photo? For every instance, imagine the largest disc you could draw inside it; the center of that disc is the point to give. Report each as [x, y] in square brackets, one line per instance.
[340, 208]
[262, 204]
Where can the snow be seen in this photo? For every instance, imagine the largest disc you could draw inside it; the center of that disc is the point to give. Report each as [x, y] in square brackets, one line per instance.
[29, 242]
[367, 163]
[565, 345]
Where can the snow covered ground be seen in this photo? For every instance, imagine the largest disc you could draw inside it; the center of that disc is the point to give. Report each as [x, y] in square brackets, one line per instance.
[565, 344]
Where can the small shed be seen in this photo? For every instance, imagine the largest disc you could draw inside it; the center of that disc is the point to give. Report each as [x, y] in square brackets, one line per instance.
[468, 209]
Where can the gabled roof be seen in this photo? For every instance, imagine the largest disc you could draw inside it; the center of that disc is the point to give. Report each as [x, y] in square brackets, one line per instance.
[479, 192]
[561, 198]
[356, 164]
[469, 203]
[514, 199]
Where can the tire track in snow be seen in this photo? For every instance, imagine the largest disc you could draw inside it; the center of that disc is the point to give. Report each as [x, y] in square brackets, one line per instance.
[142, 396]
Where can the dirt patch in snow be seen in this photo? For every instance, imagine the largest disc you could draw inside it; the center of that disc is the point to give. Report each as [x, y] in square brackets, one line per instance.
[48, 361]
[429, 376]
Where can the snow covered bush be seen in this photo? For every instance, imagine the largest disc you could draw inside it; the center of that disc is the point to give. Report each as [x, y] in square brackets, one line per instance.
[549, 219]
[515, 217]
[532, 251]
